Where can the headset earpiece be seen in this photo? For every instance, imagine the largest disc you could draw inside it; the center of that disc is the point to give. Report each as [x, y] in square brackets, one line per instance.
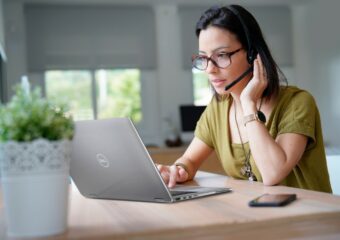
[251, 55]
[250, 58]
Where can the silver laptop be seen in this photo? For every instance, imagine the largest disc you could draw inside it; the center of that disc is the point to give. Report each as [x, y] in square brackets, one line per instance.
[110, 161]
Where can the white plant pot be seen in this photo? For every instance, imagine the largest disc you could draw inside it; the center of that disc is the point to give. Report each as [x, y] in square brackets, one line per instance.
[35, 184]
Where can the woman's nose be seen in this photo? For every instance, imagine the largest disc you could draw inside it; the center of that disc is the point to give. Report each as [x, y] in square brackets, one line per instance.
[211, 67]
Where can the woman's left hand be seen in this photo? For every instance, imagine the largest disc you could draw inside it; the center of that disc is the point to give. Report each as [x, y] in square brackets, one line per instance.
[255, 87]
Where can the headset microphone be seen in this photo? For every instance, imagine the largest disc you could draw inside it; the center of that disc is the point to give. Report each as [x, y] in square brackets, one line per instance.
[250, 69]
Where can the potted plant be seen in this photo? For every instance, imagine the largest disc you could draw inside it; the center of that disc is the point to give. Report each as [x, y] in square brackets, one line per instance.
[35, 145]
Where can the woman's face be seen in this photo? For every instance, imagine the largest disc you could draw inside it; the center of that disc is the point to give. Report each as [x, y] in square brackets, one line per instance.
[217, 41]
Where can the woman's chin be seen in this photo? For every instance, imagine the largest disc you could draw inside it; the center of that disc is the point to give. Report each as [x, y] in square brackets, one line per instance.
[220, 90]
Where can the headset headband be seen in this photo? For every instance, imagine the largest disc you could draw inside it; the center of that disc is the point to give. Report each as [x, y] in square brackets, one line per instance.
[251, 51]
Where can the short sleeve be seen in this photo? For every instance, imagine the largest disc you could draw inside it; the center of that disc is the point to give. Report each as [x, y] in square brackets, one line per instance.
[299, 116]
[203, 127]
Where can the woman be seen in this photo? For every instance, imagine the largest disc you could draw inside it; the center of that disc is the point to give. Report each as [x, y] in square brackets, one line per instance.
[260, 130]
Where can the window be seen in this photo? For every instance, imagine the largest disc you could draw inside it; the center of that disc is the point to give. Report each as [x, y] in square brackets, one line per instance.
[97, 94]
[118, 94]
[201, 87]
[72, 87]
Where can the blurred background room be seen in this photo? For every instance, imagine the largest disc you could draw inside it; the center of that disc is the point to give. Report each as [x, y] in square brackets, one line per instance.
[132, 58]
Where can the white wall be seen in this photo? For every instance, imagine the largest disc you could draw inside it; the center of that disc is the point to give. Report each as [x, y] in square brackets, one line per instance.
[317, 60]
[174, 88]
[333, 164]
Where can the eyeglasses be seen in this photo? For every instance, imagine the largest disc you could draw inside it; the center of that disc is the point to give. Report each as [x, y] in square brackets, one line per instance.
[220, 60]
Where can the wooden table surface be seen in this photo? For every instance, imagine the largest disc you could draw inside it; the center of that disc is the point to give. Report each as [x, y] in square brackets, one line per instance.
[314, 215]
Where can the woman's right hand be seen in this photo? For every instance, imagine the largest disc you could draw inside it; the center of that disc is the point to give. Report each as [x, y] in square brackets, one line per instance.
[172, 174]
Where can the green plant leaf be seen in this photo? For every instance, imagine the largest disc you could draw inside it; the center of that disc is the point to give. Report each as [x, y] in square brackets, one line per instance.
[29, 116]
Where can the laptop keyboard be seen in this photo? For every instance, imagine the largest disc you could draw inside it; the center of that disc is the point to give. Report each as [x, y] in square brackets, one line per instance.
[176, 193]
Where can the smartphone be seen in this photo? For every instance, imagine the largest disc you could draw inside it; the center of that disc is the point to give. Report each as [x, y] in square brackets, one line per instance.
[272, 200]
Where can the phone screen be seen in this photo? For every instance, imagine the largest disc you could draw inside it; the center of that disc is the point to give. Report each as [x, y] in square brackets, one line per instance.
[272, 200]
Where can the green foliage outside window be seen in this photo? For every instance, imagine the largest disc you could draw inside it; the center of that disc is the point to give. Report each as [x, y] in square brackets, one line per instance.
[117, 92]
[73, 87]
[202, 88]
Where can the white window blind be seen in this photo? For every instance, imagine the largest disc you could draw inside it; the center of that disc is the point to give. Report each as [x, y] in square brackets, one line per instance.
[89, 37]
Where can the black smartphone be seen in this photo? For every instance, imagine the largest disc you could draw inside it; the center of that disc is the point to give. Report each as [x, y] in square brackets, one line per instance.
[272, 200]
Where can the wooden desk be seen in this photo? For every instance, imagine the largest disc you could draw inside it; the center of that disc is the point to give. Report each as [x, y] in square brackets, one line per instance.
[314, 215]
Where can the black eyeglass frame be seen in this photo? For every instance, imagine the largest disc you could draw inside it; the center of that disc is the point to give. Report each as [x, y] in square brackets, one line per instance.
[229, 54]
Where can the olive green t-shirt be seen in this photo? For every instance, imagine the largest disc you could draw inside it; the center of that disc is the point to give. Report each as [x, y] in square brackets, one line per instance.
[295, 112]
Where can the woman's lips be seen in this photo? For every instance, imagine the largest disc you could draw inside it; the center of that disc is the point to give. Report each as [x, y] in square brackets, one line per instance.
[218, 82]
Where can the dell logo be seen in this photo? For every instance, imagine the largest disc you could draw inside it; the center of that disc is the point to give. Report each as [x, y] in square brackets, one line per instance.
[102, 160]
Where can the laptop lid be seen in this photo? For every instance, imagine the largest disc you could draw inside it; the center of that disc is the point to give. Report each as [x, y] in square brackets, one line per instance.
[110, 161]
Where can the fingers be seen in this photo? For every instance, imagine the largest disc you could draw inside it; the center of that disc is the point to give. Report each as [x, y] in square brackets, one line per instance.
[256, 68]
[260, 76]
[172, 174]
[255, 87]
[164, 171]
[261, 70]
[183, 175]
[160, 167]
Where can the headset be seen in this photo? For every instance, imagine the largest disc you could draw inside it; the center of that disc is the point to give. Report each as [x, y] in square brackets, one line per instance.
[251, 51]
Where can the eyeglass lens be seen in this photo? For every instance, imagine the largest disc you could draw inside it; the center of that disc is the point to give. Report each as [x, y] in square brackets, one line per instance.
[220, 60]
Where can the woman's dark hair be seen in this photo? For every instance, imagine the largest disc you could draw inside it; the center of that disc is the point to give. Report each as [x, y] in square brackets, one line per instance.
[229, 18]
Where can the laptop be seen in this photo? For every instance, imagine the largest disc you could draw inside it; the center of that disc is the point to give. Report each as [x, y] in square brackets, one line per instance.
[110, 161]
